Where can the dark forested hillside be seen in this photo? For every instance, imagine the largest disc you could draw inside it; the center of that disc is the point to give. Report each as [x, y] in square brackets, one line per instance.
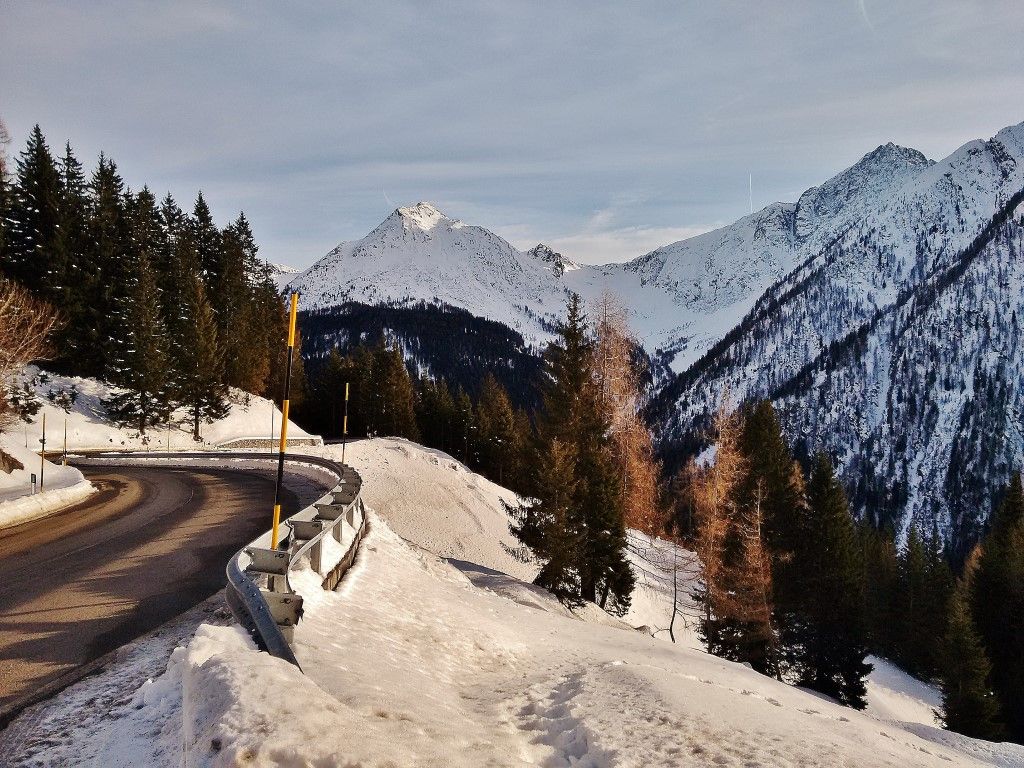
[442, 341]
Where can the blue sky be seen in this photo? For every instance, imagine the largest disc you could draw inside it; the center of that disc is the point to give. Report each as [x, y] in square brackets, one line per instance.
[605, 129]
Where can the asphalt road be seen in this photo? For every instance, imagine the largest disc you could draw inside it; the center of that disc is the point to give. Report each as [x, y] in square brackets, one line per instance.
[149, 544]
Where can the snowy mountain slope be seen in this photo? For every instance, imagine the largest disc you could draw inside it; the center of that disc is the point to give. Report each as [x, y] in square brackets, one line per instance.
[895, 348]
[683, 296]
[419, 254]
[411, 662]
[281, 274]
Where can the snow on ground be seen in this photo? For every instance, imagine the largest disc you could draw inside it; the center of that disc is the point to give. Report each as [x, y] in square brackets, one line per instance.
[895, 695]
[62, 485]
[447, 660]
[89, 427]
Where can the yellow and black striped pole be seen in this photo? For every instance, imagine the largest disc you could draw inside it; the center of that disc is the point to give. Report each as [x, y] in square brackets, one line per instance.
[344, 426]
[284, 420]
[42, 454]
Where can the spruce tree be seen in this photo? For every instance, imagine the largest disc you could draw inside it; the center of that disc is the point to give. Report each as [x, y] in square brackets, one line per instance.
[464, 428]
[912, 642]
[497, 434]
[435, 415]
[997, 605]
[392, 408]
[111, 254]
[329, 388]
[207, 239]
[275, 337]
[549, 526]
[79, 288]
[140, 366]
[200, 384]
[831, 631]
[34, 221]
[968, 703]
[881, 578]
[573, 417]
[244, 298]
[5, 193]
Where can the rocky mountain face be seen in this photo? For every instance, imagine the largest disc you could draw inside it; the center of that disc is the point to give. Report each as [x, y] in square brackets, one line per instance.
[878, 311]
[893, 347]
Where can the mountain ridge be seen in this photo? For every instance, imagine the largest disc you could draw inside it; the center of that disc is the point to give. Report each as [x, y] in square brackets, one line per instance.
[753, 308]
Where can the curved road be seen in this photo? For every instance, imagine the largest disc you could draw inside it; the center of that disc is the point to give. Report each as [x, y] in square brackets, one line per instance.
[148, 545]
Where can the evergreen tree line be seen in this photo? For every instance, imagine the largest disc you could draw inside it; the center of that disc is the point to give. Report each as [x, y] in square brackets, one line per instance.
[793, 586]
[781, 585]
[488, 435]
[582, 462]
[162, 303]
[982, 651]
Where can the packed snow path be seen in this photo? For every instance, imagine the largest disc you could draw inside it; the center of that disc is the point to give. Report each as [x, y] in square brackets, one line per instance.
[416, 662]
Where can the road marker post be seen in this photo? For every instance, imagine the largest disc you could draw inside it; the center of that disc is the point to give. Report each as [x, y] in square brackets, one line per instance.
[344, 426]
[42, 454]
[284, 421]
[64, 459]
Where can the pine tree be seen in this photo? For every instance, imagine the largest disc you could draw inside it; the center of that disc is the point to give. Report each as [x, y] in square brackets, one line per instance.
[140, 367]
[497, 433]
[997, 605]
[392, 398]
[573, 418]
[968, 704]
[831, 632]
[200, 383]
[34, 220]
[207, 239]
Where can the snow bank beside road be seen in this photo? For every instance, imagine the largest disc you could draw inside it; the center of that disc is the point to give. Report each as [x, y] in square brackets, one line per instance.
[63, 486]
[89, 427]
[418, 661]
[411, 664]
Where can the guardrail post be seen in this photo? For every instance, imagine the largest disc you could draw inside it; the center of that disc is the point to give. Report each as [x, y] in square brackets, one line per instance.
[314, 557]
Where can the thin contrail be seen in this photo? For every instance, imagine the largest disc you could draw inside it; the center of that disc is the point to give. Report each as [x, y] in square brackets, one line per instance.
[864, 13]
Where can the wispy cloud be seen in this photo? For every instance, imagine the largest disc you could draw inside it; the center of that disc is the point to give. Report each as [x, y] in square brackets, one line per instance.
[608, 133]
[612, 245]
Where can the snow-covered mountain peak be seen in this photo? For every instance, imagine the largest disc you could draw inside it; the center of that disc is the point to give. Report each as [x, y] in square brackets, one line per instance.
[418, 254]
[559, 265]
[423, 216]
[850, 193]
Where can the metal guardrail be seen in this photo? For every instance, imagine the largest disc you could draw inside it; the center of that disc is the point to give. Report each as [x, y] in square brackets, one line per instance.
[258, 591]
